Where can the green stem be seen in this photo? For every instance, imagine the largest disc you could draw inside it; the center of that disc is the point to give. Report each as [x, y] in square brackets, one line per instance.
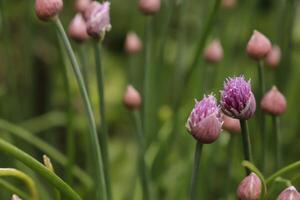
[276, 129]
[246, 142]
[11, 188]
[93, 137]
[103, 133]
[81, 52]
[46, 148]
[141, 156]
[283, 171]
[36, 166]
[283, 180]
[197, 157]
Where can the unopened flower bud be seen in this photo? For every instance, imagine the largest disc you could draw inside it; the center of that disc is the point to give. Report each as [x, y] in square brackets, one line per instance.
[249, 188]
[47, 9]
[98, 19]
[231, 125]
[77, 29]
[237, 99]
[133, 44]
[214, 52]
[273, 103]
[81, 5]
[149, 7]
[273, 57]
[289, 193]
[258, 46]
[15, 197]
[205, 120]
[228, 4]
[132, 98]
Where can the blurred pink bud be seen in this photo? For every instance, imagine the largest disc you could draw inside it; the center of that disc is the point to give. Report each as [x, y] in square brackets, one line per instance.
[77, 29]
[47, 9]
[15, 197]
[231, 125]
[82, 5]
[214, 52]
[289, 193]
[133, 44]
[249, 188]
[98, 19]
[205, 120]
[273, 57]
[228, 4]
[149, 7]
[258, 46]
[132, 98]
[273, 102]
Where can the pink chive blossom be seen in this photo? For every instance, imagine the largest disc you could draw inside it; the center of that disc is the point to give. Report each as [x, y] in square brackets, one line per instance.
[289, 193]
[249, 188]
[48, 9]
[77, 29]
[205, 120]
[15, 197]
[273, 57]
[214, 52]
[231, 125]
[98, 19]
[273, 103]
[258, 46]
[149, 7]
[237, 99]
[133, 44]
[81, 5]
[132, 98]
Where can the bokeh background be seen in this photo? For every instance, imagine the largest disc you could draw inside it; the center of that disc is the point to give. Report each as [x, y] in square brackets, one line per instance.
[33, 93]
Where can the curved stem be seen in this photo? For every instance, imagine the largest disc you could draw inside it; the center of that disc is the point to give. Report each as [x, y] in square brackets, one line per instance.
[283, 171]
[276, 129]
[8, 186]
[103, 133]
[22, 176]
[246, 142]
[197, 157]
[141, 156]
[93, 137]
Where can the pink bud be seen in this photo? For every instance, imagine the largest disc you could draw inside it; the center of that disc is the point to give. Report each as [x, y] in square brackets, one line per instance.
[15, 197]
[133, 44]
[98, 19]
[231, 125]
[82, 5]
[289, 193]
[228, 4]
[149, 7]
[273, 102]
[214, 52]
[249, 188]
[47, 9]
[273, 57]
[132, 98]
[258, 46]
[77, 29]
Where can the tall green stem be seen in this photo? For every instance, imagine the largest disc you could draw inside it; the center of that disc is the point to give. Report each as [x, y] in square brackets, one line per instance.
[276, 129]
[36, 166]
[93, 137]
[103, 133]
[197, 157]
[246, 142]
[141, 156]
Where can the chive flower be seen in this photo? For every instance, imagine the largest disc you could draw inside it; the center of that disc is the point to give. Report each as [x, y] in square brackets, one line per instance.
[249, 188]
[77, 29]
[258, 46]
[237, 99]
[273, 103]
[81, 5]
[15, 197]
[132, 98]
[289, 193]
[133, 44]
[149, 7]
[231, 125]
[205, 121]
[273, 57]
[214, 52]
[48, 9]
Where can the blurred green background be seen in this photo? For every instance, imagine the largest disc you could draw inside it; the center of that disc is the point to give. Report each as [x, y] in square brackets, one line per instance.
[33, 91]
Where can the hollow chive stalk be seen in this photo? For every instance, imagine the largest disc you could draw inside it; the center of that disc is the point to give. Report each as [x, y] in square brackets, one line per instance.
[100, 192]
[103, 126]
[194, 180]
[36, 166]
[246, 143]
[276, 129]
[143, 172]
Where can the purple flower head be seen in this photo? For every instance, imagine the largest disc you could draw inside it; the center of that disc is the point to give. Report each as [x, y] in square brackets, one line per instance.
[289, 193]
[98, 19]
[237, 99]
[249, 188]
[205, 120]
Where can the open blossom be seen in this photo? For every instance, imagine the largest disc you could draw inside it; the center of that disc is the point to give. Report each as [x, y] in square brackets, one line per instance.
[97, 16]
[249, 188]
[237, 99]
[258, 46]
[205, 120]
[231, 125]
[77, 29]
[289, 193]
[47, 9]
[132, 98]
[214, 52]
[273, 57]
[273, 102]
[133, 44]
